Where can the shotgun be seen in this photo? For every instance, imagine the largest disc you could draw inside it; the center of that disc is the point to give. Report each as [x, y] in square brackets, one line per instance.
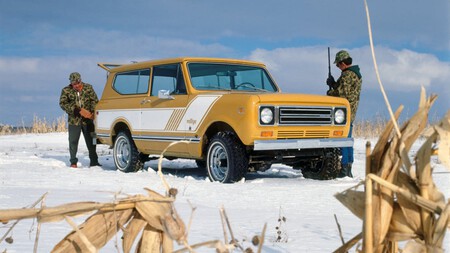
[329, 68]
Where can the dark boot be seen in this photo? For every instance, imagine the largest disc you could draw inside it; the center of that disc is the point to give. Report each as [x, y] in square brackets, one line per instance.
[94, 163]
[343, 171]
[346, 171]
[349, 170]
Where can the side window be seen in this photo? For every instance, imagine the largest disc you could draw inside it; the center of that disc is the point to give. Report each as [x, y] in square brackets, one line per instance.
[133, 82]
[168, 77]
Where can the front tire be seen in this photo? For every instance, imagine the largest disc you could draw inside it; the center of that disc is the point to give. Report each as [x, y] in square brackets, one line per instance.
[325, 169]
[226, 160]
[126, 156]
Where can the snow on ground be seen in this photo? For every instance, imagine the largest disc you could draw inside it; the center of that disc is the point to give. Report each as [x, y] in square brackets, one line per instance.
[33, 164]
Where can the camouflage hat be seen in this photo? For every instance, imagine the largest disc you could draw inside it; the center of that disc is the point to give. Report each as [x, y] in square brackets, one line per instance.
[341, 55]
[74, 76]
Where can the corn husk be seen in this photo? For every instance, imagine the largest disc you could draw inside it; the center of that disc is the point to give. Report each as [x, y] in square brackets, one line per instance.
[410, 210]
[443, 130]
[98, 229]
[150, 241]
[405, 204]
[353, 200]
[131, 231]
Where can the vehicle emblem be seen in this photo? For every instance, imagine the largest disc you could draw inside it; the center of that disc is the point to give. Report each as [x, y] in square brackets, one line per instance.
[191, 121]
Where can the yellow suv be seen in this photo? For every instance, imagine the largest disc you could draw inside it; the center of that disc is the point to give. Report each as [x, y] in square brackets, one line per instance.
[230, 111]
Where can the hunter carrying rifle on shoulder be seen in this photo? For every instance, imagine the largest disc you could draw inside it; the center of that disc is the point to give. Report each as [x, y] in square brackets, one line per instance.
[347, 86]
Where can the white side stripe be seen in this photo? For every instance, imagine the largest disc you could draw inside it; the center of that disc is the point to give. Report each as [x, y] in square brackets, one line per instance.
[161, 120]
[106, 118]
[155, 119]
[196, 111]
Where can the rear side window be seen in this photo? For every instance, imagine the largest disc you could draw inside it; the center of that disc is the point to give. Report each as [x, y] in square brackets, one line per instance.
[169, 78]
[133, 82]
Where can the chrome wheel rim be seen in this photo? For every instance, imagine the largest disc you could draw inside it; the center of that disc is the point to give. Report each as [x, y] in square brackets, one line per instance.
[218, 162]
[122, 153]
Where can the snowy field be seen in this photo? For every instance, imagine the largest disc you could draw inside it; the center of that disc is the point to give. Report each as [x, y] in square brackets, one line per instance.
[31, 165]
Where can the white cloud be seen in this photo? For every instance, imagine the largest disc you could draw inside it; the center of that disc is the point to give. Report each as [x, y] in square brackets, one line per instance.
[16, 65]
[35, 83]
[305, 68]
[296, 69]
[407, 69]
[41, 74]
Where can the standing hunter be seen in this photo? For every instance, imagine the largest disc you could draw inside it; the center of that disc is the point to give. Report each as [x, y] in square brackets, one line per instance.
[347, 86]
[78, 100]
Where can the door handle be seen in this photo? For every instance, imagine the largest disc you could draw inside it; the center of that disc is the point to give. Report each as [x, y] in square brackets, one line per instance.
[145, 101]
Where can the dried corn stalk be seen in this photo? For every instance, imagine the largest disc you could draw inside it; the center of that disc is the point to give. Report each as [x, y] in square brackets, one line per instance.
[150, 215]
[403, 202]
[153, 217]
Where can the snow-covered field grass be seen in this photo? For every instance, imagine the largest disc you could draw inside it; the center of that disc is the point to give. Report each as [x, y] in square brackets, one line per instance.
[33, 164]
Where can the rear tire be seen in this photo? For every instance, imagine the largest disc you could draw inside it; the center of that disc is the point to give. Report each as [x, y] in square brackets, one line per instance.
[325, 169]
[226, 160]
[126, 156]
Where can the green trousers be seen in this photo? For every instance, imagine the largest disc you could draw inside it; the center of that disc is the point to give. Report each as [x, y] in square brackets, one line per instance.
[74, 137]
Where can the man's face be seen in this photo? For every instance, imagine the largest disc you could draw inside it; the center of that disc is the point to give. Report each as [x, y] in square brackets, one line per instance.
[76, 84]
[341, 65]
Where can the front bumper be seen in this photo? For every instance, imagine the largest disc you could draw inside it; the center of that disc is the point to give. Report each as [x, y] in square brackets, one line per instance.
[302, 144]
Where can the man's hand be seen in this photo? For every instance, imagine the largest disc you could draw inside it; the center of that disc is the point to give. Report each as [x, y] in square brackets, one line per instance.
[86, 114]
[76, 111]
[330, 81]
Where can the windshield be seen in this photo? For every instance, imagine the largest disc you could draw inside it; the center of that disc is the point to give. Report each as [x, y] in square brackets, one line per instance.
[212, 76]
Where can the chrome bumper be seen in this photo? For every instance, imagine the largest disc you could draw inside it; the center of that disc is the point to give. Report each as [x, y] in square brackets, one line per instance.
[302, 144]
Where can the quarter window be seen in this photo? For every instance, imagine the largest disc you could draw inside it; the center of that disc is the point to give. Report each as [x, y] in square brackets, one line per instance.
[134, 82]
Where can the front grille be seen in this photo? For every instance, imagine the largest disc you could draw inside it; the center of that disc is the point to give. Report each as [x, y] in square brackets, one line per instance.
[290, 115]
[303, 134]
[291, 134]
[317, 134]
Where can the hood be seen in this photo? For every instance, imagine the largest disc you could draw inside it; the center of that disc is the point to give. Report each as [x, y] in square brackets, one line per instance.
[355, 69]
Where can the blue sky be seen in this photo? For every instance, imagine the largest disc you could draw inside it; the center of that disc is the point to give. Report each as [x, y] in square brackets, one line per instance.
[42, 42]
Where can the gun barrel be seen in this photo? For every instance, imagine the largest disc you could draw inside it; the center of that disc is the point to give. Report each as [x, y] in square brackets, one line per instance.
[329, 66]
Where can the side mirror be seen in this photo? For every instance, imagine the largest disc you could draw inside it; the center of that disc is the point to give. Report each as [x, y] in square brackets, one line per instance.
[164, 94]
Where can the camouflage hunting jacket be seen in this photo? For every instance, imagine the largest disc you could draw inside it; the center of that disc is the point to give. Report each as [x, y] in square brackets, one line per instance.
[71, 100]
[349, 87]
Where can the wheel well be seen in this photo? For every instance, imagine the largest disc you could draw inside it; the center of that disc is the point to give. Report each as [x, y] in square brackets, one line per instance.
[212, 130]
[119, 127]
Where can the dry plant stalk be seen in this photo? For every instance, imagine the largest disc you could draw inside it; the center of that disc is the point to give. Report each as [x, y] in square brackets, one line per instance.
[401, 201]
[17, 220]
[153, 217]
[132, 215]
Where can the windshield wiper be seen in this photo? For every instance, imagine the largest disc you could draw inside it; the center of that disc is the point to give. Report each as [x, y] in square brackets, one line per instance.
[249, 86]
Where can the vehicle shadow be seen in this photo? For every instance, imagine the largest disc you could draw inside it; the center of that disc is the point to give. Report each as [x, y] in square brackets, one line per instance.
[187, 168]
[181, 168]
[194, 172]
[274, 173]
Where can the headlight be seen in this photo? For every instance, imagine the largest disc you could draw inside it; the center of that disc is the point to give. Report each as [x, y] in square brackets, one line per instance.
[339, 116]
[266, 115]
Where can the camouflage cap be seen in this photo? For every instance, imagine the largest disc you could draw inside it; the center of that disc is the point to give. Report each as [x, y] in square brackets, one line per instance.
[74, 76]
[341, 55]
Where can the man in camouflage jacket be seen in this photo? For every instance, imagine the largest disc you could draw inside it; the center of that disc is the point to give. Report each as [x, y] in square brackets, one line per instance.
[347, 86]
[78, 100]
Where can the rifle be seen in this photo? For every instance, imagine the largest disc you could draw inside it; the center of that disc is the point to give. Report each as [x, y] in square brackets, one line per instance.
[329, 68]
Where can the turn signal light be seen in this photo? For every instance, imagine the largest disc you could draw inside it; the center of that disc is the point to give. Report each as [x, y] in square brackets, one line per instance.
[266, 133]
[338, 133]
